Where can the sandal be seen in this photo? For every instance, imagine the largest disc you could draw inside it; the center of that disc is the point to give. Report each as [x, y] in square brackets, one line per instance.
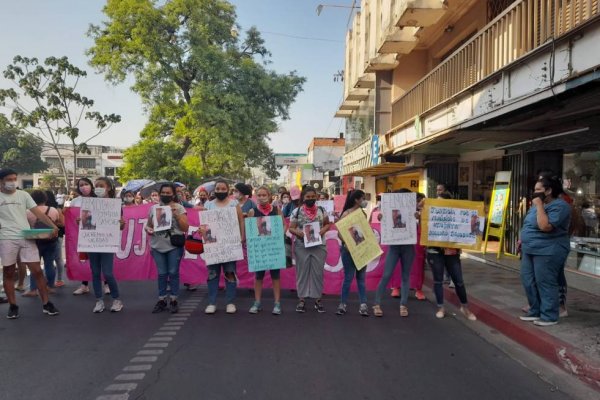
[403, 311]
[377, 311]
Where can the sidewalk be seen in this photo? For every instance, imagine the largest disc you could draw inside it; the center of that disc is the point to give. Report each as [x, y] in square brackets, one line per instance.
[496, 297]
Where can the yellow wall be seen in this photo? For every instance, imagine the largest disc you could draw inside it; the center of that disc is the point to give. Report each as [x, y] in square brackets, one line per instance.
[411, 180]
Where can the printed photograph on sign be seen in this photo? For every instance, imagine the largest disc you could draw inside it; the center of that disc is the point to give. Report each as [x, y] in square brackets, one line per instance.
[477, 224]
[207, 234]
[162, 218]
[397, 220]
[357, 235]
[87, 220]
[311, 234]
[264, 226]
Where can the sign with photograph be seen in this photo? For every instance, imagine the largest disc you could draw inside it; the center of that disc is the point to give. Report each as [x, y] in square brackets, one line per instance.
[452, 223]
[359, 238]
[398, 222]
[162, 217]
[221, 236]
[312, 234]
[99, 225]
[264, 242]
[328, 206]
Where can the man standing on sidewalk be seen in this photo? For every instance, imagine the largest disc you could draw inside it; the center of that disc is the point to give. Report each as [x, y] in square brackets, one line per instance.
[13, 220]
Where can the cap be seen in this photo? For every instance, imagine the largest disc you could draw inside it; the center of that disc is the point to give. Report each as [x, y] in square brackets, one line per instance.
[4, 172]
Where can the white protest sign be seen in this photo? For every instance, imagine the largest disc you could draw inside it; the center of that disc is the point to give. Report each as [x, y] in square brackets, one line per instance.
[99, 225]
[221, 236]
[328, 206]
[398, 222]
[162, 218]
[312, 235]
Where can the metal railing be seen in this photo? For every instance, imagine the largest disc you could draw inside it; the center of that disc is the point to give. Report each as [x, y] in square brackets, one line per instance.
[521, 28]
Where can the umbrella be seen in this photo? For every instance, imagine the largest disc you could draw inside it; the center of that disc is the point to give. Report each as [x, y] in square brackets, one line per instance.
[208, 186]
[150, 187]
[135, 185]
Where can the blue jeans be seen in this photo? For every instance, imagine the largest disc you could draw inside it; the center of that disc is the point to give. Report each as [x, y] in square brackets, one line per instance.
[406, 254]
[168, 271]
[102, 264]
[48, 254]
[349, 272]
[539, 275]
[214, 274]
[451, 264]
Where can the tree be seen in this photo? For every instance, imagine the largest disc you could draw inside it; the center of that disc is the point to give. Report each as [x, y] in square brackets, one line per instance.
[45, 103]
[18, 150]
[209, 93]
[52, 182]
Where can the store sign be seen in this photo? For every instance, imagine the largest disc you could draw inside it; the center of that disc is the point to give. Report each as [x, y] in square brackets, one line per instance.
[358, 158]
[282, 159]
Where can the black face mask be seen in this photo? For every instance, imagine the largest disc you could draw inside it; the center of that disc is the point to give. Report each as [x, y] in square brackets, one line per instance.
[166, 199]
[221, 195]
[541, 195]
[310, 203]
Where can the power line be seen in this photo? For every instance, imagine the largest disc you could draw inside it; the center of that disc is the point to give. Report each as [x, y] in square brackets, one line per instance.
[303, 37]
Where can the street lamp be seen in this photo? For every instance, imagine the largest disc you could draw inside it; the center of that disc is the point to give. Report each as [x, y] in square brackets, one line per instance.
[321, 6]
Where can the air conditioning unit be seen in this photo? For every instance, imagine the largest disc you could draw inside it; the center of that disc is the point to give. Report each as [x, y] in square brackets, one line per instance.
[415, 160]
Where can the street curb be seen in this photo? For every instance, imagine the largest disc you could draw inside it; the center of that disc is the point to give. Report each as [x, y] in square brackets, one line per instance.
[539, 342]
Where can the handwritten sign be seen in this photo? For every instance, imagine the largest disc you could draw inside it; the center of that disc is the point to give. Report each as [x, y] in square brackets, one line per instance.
[264, 240]
[452, 223]
[359, 238]
[398, 222]
[221, 236]
[328, 206]
[99, 227]
[162, 218]
[312, 234]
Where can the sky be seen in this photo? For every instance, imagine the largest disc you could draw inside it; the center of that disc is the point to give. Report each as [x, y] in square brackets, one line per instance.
[43, 28]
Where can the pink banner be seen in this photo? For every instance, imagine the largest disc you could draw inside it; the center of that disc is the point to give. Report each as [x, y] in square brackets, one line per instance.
[134, 261]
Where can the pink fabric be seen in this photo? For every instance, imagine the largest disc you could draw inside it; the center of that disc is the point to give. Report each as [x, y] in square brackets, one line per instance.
[134, 261]
[52, 214]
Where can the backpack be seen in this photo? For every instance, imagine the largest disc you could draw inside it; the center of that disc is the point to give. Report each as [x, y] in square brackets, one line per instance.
[40, 225]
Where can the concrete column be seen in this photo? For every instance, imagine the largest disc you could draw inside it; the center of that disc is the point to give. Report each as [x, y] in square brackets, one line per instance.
[383, 102]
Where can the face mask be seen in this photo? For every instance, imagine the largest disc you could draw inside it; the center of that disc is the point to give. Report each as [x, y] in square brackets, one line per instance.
[10, 186]
[166, 199]
[85, 190]
[285, 200]
[541, 195]
[221, 195]
[364, 204]
[310, 203]
[100, 192]
[128, 200]
[203, 200]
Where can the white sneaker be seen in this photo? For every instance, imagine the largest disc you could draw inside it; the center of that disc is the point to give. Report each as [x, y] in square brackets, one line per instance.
[231, 309]
[117, 305]
[106, 289]
[544, 323]
[99, 307]
[563, 312]
[210, 309]
[83, 289]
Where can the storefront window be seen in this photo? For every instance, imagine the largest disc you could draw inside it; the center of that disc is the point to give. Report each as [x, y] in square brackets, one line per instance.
[581, 181]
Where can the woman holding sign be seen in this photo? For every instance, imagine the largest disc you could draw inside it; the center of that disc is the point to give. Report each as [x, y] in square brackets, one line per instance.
[310, 257]
[229, 268]
[545, 247]
[265, 209]
[354, 201]
[166, 251]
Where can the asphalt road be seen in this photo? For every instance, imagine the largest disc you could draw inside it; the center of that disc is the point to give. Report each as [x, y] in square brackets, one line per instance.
[138, 355]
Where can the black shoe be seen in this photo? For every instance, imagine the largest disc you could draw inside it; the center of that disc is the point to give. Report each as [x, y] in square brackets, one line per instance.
[319, 307]
[49, 309]
[301, 307]
[174, 306]
[160, 306]
[3, 300]
[13, 311]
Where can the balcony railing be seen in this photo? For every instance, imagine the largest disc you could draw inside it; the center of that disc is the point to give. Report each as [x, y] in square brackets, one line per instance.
[523, 27]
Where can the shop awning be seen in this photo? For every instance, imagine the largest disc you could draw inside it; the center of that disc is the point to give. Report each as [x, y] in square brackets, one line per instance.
[377, 170]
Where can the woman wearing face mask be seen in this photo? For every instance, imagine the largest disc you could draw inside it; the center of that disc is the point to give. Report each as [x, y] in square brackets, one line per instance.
[223, 200]
[354, 201]
[128, 199]
[242, 193]
[264, 209]
[294, 202]
[544, 247]
[202, 197]
[102, 263]
[310, 262]
[166, 256]
[84, 188]
[154, 198]
[137, 199]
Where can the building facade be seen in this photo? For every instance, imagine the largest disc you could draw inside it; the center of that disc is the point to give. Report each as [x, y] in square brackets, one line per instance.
[463, 89]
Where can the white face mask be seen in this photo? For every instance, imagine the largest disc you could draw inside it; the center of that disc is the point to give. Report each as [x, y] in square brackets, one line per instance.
[10, 186]
[100, 192]
[364, 204]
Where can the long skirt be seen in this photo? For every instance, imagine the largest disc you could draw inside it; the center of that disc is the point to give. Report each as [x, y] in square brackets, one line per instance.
[310, 264]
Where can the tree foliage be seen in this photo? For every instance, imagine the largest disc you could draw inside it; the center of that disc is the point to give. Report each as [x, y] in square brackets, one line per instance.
[19, 150]
[211, 99]
[46, 104]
